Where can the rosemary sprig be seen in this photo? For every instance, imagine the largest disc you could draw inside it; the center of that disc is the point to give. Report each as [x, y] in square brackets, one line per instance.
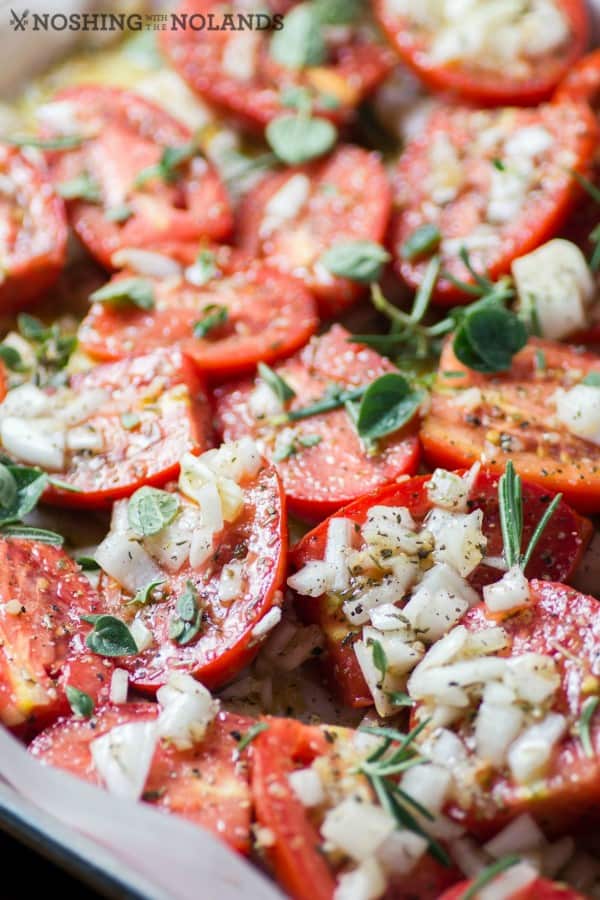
[488, 874]
[510, 501]
[584, 725]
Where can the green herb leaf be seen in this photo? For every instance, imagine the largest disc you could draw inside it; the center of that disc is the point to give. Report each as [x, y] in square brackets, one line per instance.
[489, 874]
[130, 420]
[399, 698]
[540, 361]
[592, 379]
[144, 595]
[187, 620]
[539, 530]
[66, 142]
[204, 269]
[82, 187]
[422, 242]
[250, 735]
[167, 168]
[296, 139]
[215, 316]
[63, 485]
[584, 726]
[27, 533]
[296, 97]
[300, 42]
[32, 329]
[52, 348]
[488, 338]
[87, 563]
[120, 213]
[12, 358]
[29, 485]
[510, 501]
[334, 399]
[379, 658]
[110, 637]
[126, 292]
[360, 261]
[81, 703]
[338, 12]
[388, 404]
[276, 383]
[309, 440]
[498, 164]
[150, 510]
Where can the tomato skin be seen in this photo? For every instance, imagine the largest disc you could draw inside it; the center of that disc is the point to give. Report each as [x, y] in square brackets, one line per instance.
[225, 644]
[205, 785]
[569, 794]
[129, 134]
[322, 478]
[540, 889]
[183, 424]
[350, 199]
[43, 645]
[354, 71]
[269, 316]
[552, 559]
[574, 129]
[582, 82]
[453, 436]
[487, 88]
[34, 231]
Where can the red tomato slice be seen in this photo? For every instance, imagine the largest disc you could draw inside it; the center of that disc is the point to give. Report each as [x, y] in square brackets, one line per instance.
[225, 643]
[206, 60]
[582, 82]
[43, 594]
[268, 316]
[552, 559]
[348, 199]
[511, 421]
[34, 231]
[449, 177]
[540, 889]
[165, 396]
[124, 134]
[318, 479]
[206, 784]
[296, 849]
[564, 624]
[525, 81]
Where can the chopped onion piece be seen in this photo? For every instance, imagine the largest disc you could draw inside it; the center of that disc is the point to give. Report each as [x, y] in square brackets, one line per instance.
[339, 540]
[146, 262]
[230, 583]
[308, 787]
[511, 592]
[521, 835]
[38, 442]
[127, 562]
[439, 602]
[401, 851]
[530, 754]
[448, 490]
[269, 621]
[509, 882]
[123, 756]
[313, 579]
[533, 676]
[459, 540]
[119, 686]
[579, 410]
[357, 828]
[367, 882]
[187, 710]
[141, 634]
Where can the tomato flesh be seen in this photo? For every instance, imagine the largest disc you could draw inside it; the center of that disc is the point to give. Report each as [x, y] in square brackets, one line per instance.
[468, 205]
[348, 199]
[34, 231]
[43, 595]
[530, 82]
[511, 421]
[268, 316]
[225, 643]
[540, 889]
[125, 134]
[552, 559]
[206, 784]
[318, 479]
[164, 392]
[354, 69]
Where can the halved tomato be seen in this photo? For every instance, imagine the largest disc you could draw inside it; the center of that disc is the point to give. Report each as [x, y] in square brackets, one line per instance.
[233, 69]
[322, 461]
[495, 183]
[136, 179]
[206, 784]
[246, 313]
[251, 559]
[43, 595]
[561, 623]
[540, 889]
[34, 230]
[512, 416]
[296, 849]
[493, 58]
[582, 82]
[293, 217]
[131, 422]
[556, 556]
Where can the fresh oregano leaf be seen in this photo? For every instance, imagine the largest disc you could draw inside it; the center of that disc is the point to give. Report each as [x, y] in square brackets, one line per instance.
[150, 510]
[360, 261]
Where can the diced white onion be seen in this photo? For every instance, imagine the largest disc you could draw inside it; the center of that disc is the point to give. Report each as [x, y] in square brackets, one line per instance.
[440, 600]
[521, 835]
[146, 262]
[201, 547]
[269, 621]
[533, 676]
[530, 754]
[459, 539]
[38, 442]
[496, 727]
[308, 787]
[366, 882]
[339, 540]
[429, 785]
[119, 686]
[127, 562]
[77, 407]
[231, 580]
[390, 527]
[357, 828]
[579, 410]
[264, 402]
[141, 634]
[448, 490]
[511, 592]
[123, 756]
[84, 437]
[401, 851]
[313, 579]
[285, 204]
[170, 547]
[509, 882]
[187, 710]
[390, 589]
